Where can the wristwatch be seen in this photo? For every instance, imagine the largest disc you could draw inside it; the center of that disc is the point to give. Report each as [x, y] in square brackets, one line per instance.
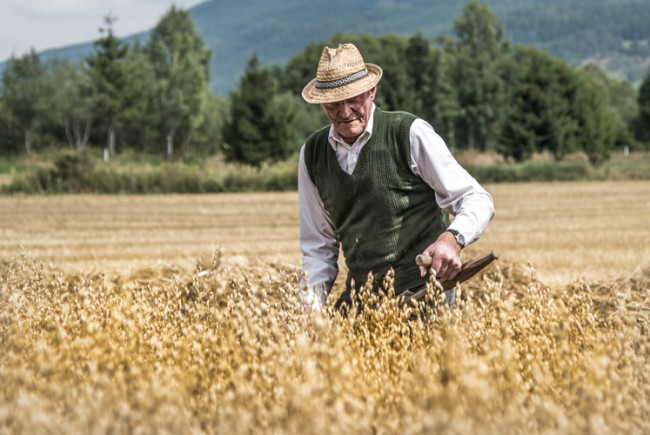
[459, 237]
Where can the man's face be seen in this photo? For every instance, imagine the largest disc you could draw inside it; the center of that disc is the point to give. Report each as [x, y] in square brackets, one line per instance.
[350, 117]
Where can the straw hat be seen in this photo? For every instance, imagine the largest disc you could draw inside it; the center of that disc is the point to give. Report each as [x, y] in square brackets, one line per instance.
[341, 74]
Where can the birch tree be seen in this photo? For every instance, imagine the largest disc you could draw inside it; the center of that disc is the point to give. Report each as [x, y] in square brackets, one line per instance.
[180, 60]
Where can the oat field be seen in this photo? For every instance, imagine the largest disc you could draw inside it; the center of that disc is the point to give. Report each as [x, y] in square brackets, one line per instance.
[180, 314]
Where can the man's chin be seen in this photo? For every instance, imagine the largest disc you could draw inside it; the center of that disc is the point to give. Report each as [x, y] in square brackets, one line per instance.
[349, 131]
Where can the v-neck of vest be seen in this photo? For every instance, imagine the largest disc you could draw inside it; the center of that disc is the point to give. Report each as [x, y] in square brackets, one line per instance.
[357, 175]
[360, 168]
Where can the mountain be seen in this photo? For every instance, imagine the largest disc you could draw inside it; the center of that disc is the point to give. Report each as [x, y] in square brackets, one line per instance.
[612, 33]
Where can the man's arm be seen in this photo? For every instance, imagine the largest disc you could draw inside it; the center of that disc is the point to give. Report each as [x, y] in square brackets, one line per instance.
[318, 242]
[457, 192]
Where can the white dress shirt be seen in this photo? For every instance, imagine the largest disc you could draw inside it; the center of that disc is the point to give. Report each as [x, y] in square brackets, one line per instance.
[456, 191]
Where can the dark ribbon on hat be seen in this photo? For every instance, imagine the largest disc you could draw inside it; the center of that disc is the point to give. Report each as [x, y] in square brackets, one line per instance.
[343, 81]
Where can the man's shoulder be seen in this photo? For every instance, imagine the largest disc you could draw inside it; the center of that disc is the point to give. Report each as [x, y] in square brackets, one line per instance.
[398, 122]
[398, 113]
[319, 136]
[397, 116]
[317, 139]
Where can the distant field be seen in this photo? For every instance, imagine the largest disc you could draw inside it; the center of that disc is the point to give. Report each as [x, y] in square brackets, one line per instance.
[120, 315]
[566, 230]
[120, 233]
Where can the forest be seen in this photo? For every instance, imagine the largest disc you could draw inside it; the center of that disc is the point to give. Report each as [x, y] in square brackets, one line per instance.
[479, 90]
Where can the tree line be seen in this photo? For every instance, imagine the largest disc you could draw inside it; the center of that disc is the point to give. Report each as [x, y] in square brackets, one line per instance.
[150, 97]
[479, 91]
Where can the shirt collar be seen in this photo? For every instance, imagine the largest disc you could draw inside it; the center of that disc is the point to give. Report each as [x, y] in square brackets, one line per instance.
[335, 138]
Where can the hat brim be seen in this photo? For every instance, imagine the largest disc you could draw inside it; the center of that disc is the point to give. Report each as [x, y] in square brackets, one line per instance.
[313, 95]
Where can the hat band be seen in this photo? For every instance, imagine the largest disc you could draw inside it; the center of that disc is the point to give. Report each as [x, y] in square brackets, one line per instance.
[342, 82]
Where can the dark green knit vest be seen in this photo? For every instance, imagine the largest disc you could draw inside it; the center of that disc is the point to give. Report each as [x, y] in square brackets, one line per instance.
[384, 214]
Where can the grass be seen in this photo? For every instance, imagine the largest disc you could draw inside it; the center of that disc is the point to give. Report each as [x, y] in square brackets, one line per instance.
[635, 166]
[106, 326]
[56, 172]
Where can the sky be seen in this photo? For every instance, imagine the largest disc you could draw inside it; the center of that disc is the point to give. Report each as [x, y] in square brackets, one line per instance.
[46, 24]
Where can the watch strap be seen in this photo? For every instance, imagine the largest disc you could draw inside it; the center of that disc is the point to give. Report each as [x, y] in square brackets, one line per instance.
[458, 236]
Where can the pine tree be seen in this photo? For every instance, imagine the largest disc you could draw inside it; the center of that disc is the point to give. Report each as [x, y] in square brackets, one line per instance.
[642, 124]
[109, 78]
[539, 115]
[557, 109]
[423, 69]
[259, 126]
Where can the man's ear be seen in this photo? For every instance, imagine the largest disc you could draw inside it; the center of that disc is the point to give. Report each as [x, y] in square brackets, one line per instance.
[373, 92]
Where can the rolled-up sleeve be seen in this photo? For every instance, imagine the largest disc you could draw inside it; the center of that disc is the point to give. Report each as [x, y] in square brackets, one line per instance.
[457, 192]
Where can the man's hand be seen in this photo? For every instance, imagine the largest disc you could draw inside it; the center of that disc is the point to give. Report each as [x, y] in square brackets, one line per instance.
[445, 253]
[313, 298]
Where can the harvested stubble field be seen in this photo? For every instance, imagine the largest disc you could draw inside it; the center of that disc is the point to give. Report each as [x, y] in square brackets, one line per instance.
[180, 314]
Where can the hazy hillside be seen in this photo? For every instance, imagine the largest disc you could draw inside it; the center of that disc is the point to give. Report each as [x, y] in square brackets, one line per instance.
[615, 33]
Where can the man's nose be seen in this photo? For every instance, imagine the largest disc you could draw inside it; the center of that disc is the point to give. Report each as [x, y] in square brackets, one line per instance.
[345, 109]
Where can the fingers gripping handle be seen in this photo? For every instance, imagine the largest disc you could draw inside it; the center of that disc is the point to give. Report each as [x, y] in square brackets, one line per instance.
[468, 269]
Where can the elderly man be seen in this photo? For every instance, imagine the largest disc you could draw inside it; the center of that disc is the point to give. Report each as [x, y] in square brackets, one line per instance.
[381, 185]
